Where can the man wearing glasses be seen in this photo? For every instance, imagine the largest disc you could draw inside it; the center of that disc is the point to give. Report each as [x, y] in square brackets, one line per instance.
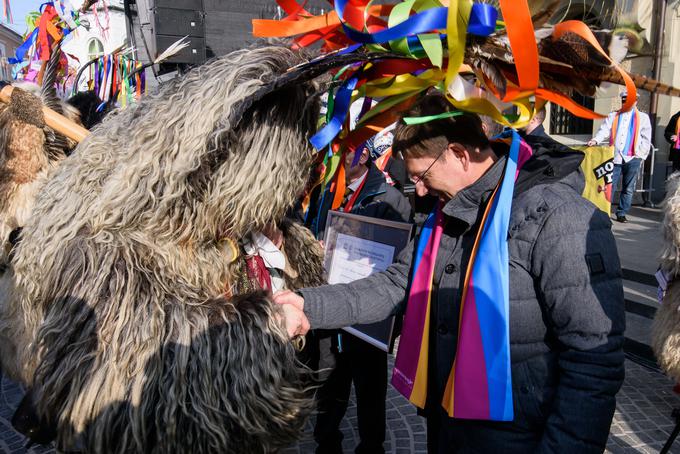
[566, 312]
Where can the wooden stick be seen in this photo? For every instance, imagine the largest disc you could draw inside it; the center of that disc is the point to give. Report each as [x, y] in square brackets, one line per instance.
[54, 120]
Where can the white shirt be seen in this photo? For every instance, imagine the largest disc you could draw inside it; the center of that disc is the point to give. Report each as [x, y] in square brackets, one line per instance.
[643, 143]
[273, 258]
[354, 185]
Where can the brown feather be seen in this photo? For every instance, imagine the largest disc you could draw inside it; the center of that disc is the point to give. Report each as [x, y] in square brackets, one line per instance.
[641, 82]
[87, 4]
[542, 17]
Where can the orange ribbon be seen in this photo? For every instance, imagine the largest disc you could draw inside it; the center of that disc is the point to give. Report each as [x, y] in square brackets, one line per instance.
[582, 30]
[520, 29]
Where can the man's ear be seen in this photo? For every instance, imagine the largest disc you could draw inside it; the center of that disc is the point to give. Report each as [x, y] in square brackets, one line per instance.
[458, 151]
[364, 156]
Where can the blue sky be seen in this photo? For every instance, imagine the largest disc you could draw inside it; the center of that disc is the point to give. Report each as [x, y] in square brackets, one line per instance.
[20, 8]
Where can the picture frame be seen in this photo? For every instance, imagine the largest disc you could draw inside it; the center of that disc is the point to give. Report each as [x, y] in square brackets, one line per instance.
[354, 248]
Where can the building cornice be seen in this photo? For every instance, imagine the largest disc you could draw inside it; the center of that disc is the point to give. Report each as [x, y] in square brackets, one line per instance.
[11, 33]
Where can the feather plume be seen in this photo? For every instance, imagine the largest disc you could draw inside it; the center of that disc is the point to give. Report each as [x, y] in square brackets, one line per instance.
[173, 49]
[567, 64]
[87, 4]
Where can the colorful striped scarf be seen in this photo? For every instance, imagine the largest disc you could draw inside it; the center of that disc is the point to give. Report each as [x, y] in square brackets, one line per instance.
[633, 129]
[677, 133]
[480, 384]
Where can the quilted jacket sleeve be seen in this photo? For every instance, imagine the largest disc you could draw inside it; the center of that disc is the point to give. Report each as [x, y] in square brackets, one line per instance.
[364, 301]
[578, 273]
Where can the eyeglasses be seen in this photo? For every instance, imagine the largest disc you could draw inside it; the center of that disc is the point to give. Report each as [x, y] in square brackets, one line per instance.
[422, 176]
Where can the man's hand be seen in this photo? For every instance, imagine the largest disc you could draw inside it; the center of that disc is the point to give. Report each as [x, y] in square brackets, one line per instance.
[291, 308]
[296, 321]
[592, 142]
[674, 138]
[288, 297]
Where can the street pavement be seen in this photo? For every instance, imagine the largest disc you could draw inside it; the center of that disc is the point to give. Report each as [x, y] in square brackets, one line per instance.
[642, 422]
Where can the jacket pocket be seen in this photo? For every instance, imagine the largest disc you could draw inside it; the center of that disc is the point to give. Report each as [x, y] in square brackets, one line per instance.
[534, 387]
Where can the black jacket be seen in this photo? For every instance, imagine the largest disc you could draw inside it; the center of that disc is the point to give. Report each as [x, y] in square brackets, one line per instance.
[673, 153]
[566, 309]
[377, 199]
[670, 128]
[539, 131]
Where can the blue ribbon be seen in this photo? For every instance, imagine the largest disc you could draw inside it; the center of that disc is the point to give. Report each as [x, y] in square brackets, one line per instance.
[482, 19]
[20, 53]
[490, 275]
[424, 22]
[482, 23]
[340, 108]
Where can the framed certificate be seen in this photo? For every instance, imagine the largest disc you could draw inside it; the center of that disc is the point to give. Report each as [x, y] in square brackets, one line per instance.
[356, 247]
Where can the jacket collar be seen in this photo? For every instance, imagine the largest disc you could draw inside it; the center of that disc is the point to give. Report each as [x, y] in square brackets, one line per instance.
[375, 182]
[539, 131]
[465, 205]
[551, 162]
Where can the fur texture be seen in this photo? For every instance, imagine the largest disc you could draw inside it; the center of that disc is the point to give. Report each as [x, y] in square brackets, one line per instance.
[29, 151]
[116, 304]
[666, 326]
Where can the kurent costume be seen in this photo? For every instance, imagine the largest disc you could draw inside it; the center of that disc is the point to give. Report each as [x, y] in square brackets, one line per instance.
[29, 152]
[129, 310]
[666, 327]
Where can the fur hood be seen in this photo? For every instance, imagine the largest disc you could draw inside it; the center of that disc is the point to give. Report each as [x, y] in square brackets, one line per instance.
[117, 306]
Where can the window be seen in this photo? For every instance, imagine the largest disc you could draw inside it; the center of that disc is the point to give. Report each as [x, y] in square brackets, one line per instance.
[95, 49]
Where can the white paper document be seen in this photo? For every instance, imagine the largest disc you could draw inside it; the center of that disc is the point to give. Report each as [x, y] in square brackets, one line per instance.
[355, 258]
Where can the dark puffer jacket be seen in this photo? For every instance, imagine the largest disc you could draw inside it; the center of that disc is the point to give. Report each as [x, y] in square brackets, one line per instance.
[377, 199]
[566, 310]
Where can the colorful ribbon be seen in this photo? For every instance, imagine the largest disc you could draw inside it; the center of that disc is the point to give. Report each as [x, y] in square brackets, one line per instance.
[631, 136]
[7, 12]
[480, 382]
[20, 54]
[340, 109]
[409, 375]
[428, 118]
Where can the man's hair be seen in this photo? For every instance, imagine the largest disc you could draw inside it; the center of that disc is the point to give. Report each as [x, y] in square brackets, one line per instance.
[429, 139]
[493, 128]
[540, 115]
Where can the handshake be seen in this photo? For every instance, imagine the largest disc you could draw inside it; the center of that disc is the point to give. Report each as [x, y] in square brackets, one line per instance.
[292, 306]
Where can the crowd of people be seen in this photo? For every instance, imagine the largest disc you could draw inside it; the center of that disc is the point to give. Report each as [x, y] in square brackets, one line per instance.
[445, 173]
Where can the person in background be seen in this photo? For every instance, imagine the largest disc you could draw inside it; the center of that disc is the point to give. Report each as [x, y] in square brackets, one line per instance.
[350, 359]
[630, 134]
[535, 126]
[672, 135]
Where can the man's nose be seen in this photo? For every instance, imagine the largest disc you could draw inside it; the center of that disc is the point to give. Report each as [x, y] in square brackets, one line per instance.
[421, 190]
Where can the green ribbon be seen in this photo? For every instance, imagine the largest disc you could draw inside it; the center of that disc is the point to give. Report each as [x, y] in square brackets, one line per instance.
[429, 118]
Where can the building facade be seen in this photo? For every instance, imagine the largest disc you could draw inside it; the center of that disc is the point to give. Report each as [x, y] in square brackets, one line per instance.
[106, 32]
[641, 18]
[9, 42]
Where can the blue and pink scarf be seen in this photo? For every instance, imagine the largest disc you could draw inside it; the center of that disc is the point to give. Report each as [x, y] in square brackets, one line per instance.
[480, 384]
[633, 129]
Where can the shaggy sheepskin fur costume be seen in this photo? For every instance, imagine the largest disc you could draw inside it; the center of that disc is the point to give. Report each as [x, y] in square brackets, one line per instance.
[122, 308]
[666, 327]
[29, 152]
